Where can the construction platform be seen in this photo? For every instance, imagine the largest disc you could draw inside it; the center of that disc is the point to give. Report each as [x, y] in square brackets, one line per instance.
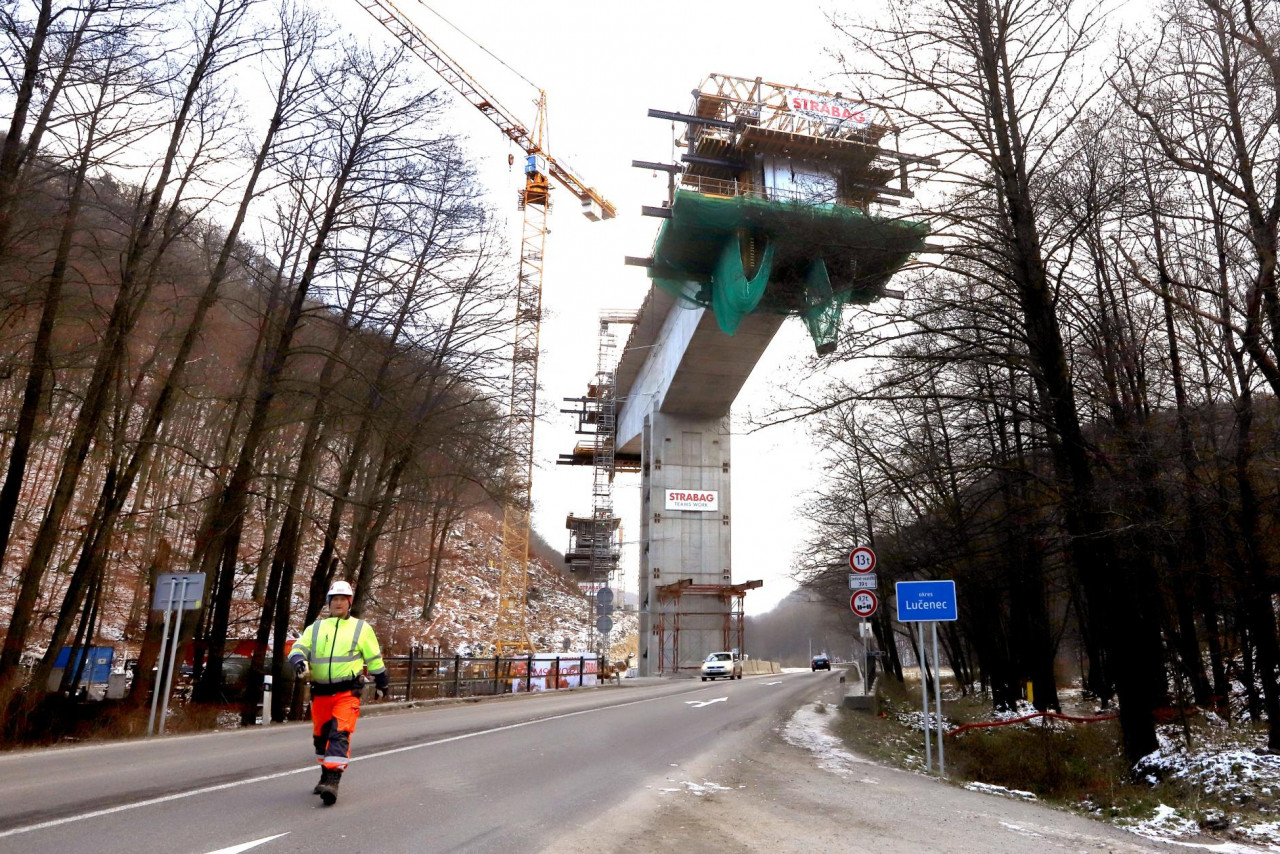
[772, 209]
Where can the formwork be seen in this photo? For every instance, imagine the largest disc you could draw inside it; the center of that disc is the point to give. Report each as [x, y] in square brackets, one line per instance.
[683, 605]
[773, 212]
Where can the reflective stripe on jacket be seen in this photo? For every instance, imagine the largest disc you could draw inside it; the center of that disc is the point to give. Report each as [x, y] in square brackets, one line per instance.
[338, 650]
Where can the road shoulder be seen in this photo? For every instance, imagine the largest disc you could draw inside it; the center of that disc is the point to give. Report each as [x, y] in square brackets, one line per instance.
[788, 794]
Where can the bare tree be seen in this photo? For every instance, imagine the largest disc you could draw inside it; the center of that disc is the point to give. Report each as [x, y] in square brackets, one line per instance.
[219, 45]
[992, 87]
[370, 106]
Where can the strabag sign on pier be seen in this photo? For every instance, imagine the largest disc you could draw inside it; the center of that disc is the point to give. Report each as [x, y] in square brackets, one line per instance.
[692, 499]
[825, 108]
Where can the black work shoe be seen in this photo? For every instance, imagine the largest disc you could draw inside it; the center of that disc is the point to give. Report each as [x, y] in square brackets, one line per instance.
[324, 774]
[328, 788]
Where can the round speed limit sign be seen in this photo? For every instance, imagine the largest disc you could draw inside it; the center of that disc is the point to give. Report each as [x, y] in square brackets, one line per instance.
[863, 603]
[862, 559]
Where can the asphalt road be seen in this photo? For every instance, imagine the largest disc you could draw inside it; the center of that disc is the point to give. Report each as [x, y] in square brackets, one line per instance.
[512, 775]
[654, 766]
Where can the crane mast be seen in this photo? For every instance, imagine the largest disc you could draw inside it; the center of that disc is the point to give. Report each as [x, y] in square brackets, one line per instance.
[512, 634]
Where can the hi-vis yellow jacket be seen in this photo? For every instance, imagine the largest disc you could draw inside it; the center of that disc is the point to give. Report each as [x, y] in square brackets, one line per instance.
[338, 651]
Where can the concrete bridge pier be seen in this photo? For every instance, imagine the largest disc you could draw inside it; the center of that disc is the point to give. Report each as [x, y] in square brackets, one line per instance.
[677, 380]
[679, 626]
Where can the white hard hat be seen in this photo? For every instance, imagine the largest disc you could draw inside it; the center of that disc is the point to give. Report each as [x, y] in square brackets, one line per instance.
[340, 588]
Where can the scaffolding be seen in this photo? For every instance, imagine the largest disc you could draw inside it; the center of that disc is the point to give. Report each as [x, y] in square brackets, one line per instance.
[738, 119]
[593, 540]
[594, 547]
[672, 610]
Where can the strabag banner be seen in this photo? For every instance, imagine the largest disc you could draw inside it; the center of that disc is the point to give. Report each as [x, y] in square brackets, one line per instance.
[826, 108]
[554, 670]
[692, 499]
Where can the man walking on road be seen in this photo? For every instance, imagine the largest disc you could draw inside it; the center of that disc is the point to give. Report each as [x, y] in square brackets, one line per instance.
[334, 652]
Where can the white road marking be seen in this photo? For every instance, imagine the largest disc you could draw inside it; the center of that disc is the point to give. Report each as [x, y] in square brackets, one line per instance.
[699, 704]
[245, 846]
[773, 683]
[44, 825]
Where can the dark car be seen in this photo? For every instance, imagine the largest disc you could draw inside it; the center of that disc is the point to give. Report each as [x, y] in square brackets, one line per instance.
[821, 662]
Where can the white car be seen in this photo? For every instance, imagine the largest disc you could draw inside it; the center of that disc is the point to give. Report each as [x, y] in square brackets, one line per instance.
[721, 664]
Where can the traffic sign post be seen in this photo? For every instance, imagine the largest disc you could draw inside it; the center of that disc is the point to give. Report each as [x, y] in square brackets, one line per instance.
[864, 602]
[601, 608]
[924, 698]
[175, 591]
[929, 602]
[862, 559]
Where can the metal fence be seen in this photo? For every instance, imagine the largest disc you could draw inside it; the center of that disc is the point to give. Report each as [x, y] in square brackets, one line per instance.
[417, 677]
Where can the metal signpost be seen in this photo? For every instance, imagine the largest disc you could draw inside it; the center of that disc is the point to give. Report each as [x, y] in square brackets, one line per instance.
[863, 602]
[175, 591]
[604, 623]
[930, 602]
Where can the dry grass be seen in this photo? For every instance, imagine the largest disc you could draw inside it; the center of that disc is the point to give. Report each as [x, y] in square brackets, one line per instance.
[1079, 766]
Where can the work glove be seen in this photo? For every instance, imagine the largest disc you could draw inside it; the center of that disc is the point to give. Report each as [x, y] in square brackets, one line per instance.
[302, 668]
[381, 693]
[382, 687]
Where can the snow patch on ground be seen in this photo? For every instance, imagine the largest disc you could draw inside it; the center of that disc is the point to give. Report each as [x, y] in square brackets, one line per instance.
[699, 789]
[915, 720]
[1238, 773]
[1267, 833]
[1171, 828]
[808, 729]
[1000, 790]
[1164, 824]
[1022, 831]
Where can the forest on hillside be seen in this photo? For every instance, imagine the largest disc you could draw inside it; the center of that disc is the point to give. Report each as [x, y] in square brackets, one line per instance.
[1073, 413]
[255, 317]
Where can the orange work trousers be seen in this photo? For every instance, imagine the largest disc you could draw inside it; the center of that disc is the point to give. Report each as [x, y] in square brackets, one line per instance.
[333, 720]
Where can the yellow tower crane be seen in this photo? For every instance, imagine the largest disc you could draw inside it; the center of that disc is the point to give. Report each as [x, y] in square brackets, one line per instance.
[539, 168]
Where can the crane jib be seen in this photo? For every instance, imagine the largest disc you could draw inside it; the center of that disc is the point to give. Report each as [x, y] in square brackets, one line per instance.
[411, 36]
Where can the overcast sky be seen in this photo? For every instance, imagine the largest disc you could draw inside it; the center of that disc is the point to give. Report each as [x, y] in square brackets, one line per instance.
[603, 65]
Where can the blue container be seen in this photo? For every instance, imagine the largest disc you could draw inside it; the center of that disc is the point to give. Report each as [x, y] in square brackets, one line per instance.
[98, 667]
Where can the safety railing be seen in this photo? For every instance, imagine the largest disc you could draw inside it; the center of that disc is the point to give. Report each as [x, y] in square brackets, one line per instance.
[734, 188]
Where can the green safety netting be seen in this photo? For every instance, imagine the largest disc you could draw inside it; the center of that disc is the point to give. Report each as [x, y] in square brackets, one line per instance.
[739, 255]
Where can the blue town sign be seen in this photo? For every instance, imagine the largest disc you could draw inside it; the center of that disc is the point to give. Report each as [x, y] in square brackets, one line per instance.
[925, 601]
